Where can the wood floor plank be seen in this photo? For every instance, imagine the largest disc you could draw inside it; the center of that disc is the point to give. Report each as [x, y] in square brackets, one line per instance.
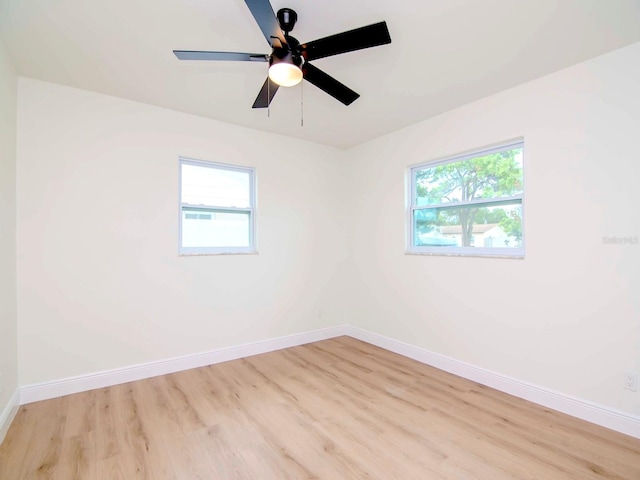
[77, 458]
[15, 448]
[336, 409]
[82, 414]
[45, 444]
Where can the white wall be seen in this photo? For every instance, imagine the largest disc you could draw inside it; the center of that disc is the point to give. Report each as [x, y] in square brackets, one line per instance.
[8, 315]
[567, 317]
[100, 283]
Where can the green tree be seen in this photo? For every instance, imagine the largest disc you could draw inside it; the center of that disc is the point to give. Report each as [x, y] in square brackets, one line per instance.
[494, 175]
[483, 215]
[512, 225]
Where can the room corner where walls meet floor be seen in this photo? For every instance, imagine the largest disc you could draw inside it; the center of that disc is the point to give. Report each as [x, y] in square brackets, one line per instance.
[591, 412]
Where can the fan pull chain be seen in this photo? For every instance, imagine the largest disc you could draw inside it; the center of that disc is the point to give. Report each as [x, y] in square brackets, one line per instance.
[268, 96]
[302, 104]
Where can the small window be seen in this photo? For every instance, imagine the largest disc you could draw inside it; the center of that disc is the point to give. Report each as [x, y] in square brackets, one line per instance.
[217, 208]
[470, 204]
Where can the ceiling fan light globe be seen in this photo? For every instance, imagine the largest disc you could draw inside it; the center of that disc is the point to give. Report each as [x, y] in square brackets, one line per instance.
[285, 74]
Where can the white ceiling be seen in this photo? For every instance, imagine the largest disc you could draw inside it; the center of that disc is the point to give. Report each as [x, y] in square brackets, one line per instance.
[444, 53]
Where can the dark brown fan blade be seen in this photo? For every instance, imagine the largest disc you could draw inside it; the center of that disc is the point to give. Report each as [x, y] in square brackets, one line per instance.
[266, 94]
[363, 37]
[267, 21]
[225, 56]
[329, 84]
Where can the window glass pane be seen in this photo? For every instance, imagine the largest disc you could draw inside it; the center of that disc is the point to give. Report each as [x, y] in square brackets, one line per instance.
[493, 175]
[215, 229]
[478, 226]
[215, 186]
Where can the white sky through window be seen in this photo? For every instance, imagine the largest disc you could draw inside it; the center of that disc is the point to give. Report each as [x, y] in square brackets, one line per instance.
[209, 186]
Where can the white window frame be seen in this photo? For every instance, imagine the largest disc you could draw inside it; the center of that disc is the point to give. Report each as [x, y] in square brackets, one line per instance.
[251, 210]
[463, 251]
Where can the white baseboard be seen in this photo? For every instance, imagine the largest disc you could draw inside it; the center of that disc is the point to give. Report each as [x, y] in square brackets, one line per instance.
[107, 378]
[591, 412]
[576, 407]
[8, 413]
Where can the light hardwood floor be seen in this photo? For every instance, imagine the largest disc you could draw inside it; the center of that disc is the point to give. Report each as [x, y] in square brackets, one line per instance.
[336, 409]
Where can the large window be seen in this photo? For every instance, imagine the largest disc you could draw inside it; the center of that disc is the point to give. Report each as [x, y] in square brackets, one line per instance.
[469, 205]
[217, 208]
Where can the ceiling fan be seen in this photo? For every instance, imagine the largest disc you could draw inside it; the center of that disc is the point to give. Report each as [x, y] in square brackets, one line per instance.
[289, 59]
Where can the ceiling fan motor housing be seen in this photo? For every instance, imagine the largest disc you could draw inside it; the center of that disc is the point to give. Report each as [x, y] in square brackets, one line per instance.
[292, 49]
[285, 55]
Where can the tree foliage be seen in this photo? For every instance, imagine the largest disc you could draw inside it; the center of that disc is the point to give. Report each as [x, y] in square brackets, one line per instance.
[494, 175]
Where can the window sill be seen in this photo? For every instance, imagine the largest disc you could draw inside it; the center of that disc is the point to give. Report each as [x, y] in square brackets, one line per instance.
[472, 255]
[207, 254]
